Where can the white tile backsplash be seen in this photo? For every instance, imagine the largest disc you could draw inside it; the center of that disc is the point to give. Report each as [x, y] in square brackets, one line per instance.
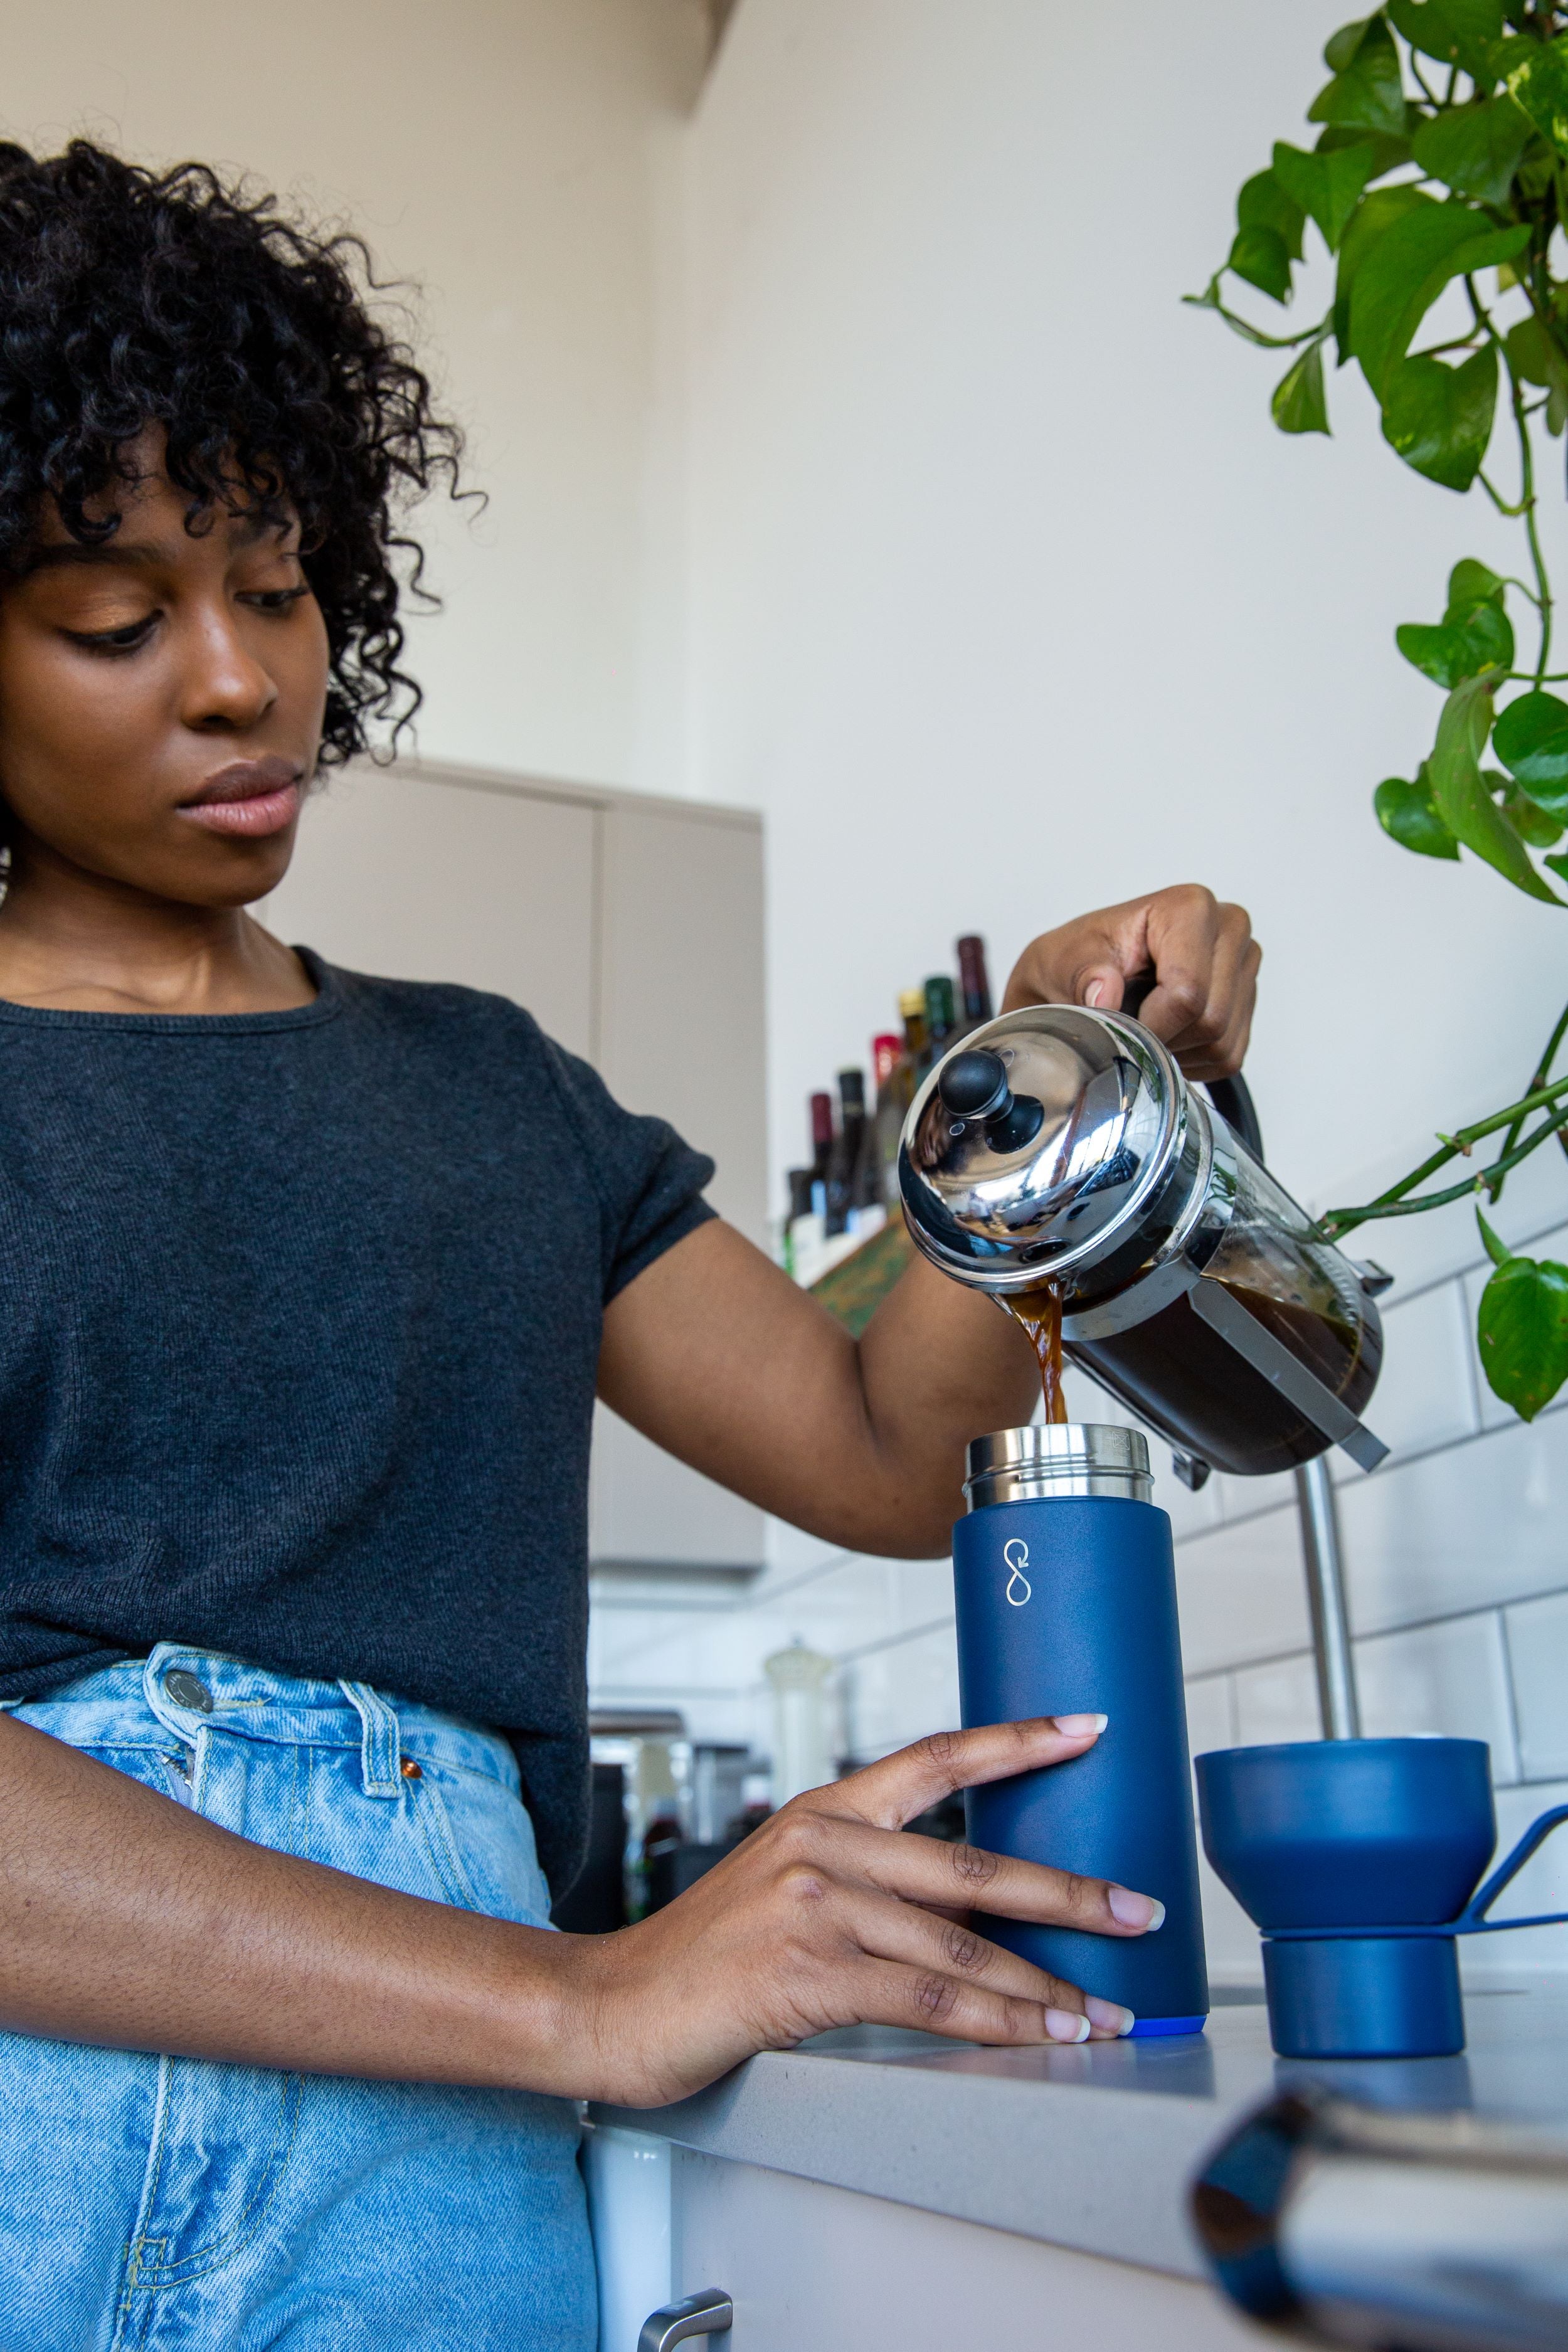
[1450, 1678]
[1465, 1528]
[1211, 1713]
[900, 1692]
[1241, 1593]
[1537, 1634]
[1278, 1701]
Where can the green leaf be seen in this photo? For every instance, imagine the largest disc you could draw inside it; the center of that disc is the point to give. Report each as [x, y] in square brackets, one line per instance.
[1487, 636]
[1440, 419]
[1537, 357]
[1532, 741]
[1497, 1250]
[1387, 152]
[1366, 93]
[1456, 32]
[1462, 801]
[1263, 258]
[1327, 186]
[1522, 1327]
[1405, 269]
[1263, 202]
[1470, 584]
[1407, 815]
[1298, 405]
[1341, 46]
[1475, 149]
[1535, 74]
[1558, 866]
[1530, 822]
[1439, 653]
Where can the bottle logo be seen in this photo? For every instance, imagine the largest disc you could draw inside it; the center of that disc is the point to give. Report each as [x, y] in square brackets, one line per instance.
[1015, 1558]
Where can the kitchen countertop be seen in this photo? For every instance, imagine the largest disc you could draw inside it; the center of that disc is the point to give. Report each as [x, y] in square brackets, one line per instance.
[1092, 2147]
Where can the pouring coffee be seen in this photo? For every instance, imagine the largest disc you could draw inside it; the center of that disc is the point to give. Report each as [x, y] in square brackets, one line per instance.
[1060, 1160]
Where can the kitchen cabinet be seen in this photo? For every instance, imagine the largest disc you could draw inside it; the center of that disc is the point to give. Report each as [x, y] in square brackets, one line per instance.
[809, 2265]
[632, 929]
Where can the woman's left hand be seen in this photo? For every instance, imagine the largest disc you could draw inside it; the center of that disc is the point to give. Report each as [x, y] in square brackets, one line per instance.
[1200, 950]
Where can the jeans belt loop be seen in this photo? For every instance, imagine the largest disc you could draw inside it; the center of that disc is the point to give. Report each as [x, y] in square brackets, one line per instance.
[379, 1740]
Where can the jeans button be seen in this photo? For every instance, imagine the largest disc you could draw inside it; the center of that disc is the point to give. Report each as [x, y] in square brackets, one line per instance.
[187, 1690]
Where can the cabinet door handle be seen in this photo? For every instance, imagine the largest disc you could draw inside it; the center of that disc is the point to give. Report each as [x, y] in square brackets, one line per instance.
[706, 2313]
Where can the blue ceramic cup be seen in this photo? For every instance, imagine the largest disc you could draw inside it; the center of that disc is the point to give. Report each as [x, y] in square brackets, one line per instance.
[1358, 1860]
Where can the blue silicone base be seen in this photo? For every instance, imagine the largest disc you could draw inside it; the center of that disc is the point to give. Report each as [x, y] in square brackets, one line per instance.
[1146, 2027]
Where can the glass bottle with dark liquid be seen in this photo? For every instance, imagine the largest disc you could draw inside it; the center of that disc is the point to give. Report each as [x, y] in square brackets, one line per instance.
[1060, 1161]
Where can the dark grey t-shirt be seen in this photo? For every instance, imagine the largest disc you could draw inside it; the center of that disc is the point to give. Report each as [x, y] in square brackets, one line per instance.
[300, 1320]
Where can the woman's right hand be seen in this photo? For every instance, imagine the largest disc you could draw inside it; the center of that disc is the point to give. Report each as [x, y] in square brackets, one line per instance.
[831, 1915]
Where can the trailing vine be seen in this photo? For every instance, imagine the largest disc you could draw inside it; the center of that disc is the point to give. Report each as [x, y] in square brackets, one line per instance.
[1439, 177]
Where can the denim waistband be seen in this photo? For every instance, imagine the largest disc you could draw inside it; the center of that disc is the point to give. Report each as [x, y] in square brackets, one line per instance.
[184, 1689]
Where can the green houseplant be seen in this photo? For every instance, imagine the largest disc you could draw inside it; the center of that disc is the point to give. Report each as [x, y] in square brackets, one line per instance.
[1438, 181]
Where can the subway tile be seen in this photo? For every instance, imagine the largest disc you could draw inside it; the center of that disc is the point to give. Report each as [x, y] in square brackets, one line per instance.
[1247, 1499]
[1451, 1679]
[1477, 1525]
[1537, 1633]
[896, 1694]
[1211, 1714]
[1495, 1414]
[1241, 1593]
[1426, 1394]
[1230, 1940]
[1277, 1701]
[919, 1592]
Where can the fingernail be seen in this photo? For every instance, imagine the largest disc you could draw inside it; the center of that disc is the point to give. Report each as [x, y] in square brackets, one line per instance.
[1094, 992]
[1108, 2014]
[1130, 1910]
[1079, 1726]
[1066, 2025]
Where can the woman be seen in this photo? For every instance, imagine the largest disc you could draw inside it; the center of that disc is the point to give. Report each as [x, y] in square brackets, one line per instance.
[306, 1285]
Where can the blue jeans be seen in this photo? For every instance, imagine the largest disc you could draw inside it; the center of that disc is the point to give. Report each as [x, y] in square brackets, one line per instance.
[171, 2205]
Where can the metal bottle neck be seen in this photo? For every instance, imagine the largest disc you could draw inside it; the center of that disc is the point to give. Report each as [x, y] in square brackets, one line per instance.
[1043, 1462]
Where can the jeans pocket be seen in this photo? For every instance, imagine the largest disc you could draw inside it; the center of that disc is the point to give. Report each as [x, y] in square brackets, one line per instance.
[480, 1842]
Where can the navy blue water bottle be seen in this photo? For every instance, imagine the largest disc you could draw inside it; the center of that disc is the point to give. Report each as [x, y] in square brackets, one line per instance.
[1067, 1606]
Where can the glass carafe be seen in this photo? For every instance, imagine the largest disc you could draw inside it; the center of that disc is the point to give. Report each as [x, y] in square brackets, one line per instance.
[1060, 1156]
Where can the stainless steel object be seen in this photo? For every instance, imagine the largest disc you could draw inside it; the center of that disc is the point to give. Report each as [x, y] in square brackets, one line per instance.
[1020, 1465]
[707, 2312]
[1063, 1146]
[1347, 2224]
[1339, 1707]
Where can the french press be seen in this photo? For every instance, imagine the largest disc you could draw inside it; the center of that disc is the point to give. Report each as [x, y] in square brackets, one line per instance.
[1061, 1150]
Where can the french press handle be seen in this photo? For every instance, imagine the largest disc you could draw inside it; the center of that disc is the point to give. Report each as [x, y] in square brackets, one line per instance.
[1232, 1097]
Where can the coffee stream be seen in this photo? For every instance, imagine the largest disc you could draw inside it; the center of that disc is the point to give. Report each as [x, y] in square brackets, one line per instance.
[1040, 1314]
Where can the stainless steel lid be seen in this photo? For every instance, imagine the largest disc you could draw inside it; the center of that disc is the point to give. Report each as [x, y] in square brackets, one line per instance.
[1035, 1148]
[1079, 1457]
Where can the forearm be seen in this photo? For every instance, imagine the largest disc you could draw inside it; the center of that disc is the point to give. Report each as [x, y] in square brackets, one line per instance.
[757, 1386]
[128, 1921]
[939, 1365]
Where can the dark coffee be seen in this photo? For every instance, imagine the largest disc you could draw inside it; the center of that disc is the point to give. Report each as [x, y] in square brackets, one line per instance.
[1177, 1374]
[1040, 1314]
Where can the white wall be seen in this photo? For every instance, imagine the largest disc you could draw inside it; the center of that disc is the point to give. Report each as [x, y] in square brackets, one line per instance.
[1008, 599]
[509, 156]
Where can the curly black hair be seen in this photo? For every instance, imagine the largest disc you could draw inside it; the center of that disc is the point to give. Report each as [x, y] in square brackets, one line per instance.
[132, 299]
